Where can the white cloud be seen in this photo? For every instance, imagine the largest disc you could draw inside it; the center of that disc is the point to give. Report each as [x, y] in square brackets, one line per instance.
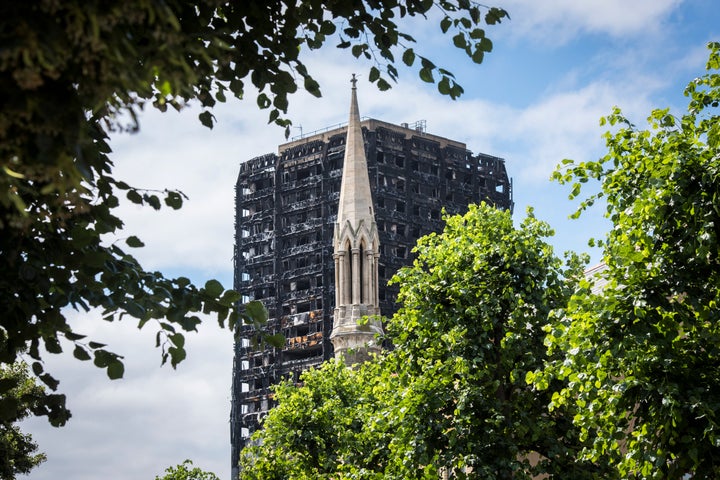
[556, 22]
[152, 418]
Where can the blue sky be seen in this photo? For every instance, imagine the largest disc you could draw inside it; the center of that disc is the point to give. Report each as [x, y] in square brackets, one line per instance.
[557, 67]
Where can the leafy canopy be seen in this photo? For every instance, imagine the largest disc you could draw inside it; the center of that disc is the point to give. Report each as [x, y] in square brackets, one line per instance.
[474, 305]
[325, 427]
[642, 353]
[23, 397]
[73, 71]
[186, 471]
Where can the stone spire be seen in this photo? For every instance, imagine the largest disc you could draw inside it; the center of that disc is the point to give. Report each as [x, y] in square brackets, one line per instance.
[355, 197]
[356, 252]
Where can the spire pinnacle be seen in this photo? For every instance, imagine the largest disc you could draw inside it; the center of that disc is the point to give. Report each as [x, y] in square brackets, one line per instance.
[355, 196]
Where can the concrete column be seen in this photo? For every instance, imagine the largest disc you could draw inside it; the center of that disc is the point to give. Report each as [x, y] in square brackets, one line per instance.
[347, 278]
[338, 300]
[341, 276]
[369, 280]
[377, 279]
[356, 276]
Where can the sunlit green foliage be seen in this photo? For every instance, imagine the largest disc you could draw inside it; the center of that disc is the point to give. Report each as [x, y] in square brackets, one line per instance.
[474, 306]
[642, 355]
[324, 427]
[186, 471]
[21, 398]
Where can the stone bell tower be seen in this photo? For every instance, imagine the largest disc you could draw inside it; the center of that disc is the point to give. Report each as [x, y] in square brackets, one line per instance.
[356, 252]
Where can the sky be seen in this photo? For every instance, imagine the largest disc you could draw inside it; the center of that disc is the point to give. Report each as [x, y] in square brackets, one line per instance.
[557, 66]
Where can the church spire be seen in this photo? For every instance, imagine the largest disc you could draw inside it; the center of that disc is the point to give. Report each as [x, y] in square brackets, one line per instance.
[355, 197]
[356, 252]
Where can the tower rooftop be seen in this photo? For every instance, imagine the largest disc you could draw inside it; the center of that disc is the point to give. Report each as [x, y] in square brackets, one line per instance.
[372, 125]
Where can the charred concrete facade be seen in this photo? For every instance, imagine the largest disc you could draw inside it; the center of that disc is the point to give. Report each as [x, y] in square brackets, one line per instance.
[286, 211]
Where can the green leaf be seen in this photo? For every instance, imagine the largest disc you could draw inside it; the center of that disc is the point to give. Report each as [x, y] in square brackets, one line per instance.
[80, 353]
[72, 336]
[358, 50]
[478, 56]
[392, 72]
[103, 358]
[7, 384]
[230, 297]
[277, 340]
[134, 196]
[444, 86]
[281, 102]
[445, 24]
[456, 91]
[167, 327]
[408, 57]
[427, 64]
[112, 201]
[426, 75]
[383, 85]
[50, 381]
[220, 95]
[213, 288]
[477, 33]
[327, 28]
[257, 312]
[486, 45]
[96, 259]
[178, 339]
[190, 323]
[82, 236]
[263, 101]
[207, 119]
[153, 201]
[52, 344]
[177, 355]
[374, 74]
[115, 370]
[459, 41]
[174, 200]
[134, 309]
[312, 86]
[495, 15]
[134, 242]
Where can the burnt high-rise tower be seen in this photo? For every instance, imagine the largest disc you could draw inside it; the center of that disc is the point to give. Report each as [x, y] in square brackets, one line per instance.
[286, 214]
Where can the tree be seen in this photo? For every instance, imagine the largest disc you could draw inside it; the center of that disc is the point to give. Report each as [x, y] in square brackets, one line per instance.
[324, 426]
[23, 397]
[186, 471]
[642, 354]
[71, 72]
[451, 396]
[474, 306]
